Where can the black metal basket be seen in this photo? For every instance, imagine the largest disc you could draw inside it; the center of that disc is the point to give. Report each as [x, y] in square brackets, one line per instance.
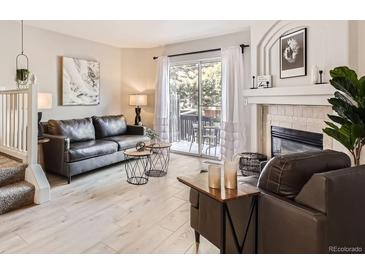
[250, 163]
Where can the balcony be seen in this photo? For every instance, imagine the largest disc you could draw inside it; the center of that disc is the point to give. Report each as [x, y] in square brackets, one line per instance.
[184, 132]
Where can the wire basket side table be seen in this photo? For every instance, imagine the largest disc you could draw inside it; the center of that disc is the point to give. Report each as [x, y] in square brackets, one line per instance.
[136, 166]
[160, 159]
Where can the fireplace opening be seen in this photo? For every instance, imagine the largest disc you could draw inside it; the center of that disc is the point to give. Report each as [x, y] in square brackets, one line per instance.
[286, 141]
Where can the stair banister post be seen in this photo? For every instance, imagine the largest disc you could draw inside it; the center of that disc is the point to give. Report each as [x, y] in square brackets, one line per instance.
[34, 173]
[32, 129]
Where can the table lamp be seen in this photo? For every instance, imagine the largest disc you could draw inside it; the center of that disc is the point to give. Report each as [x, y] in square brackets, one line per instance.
[44, 102]
[138, 100]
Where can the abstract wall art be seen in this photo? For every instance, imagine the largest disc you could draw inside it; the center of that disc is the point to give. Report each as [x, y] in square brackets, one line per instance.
[80, 82]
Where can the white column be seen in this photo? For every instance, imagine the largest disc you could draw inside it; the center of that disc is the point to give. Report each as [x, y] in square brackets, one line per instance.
[34, 173]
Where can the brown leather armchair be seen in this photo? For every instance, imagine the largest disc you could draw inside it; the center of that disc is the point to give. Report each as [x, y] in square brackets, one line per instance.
[309, 203]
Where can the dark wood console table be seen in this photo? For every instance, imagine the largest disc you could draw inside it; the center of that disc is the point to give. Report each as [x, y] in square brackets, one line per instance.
[223, 195]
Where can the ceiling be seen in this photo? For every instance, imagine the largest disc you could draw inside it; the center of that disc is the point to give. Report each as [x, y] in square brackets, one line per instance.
[141, 34]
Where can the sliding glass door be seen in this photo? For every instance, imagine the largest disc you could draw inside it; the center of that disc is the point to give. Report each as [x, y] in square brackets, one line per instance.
[195, 107]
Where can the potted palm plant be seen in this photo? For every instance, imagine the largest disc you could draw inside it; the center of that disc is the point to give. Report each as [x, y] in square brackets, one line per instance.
[348, 126]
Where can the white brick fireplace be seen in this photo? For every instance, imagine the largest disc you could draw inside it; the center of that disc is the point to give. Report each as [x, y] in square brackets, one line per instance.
[303, 108]
[293, 103]
[300, 117]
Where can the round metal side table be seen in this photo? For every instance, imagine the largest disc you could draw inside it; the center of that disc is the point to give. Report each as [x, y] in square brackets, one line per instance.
[160, 159]
[136, 166]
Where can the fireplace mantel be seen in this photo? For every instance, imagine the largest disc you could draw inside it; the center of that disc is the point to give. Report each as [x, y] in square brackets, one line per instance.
[299, 95]
[302, 100]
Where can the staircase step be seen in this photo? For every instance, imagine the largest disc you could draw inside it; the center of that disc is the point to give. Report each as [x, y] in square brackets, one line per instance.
[6, 161]
[15, 196]
[11, 171]
[12, 175]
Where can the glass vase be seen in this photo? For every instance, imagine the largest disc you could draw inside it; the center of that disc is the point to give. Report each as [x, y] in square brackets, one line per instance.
[214, 176]
[230, 174]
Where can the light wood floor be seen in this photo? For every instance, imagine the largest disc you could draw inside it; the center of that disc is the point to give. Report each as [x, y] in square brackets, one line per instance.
[100, 213]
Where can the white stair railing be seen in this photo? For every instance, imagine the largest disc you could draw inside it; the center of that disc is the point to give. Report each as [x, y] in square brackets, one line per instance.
[19, 135]
[14, 122]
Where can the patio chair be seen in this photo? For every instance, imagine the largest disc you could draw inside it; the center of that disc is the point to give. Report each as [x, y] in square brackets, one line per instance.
[210, 135]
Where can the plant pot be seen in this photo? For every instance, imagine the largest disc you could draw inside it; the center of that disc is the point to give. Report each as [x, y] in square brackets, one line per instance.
[22, 75]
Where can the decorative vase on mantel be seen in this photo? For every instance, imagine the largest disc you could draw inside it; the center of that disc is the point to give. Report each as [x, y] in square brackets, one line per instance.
[314, 74]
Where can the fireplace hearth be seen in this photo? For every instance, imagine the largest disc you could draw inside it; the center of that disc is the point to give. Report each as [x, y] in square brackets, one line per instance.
[287, 140]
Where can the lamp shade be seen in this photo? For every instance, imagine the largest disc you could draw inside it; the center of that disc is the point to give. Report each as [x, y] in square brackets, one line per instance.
[44, 100]
[138, 100]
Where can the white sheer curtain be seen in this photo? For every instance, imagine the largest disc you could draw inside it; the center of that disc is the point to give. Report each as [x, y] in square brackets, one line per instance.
[232, 137]
[162, 99]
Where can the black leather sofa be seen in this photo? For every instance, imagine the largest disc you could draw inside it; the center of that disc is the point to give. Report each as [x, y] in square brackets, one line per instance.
[80, 145]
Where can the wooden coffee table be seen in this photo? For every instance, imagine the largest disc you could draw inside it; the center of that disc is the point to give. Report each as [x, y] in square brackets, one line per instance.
[223, 195]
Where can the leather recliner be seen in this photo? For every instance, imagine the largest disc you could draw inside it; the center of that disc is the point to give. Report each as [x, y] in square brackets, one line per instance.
[80, 145]
[309, 202]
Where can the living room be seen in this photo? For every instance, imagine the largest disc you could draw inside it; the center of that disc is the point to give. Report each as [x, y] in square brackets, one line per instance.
[182, 137]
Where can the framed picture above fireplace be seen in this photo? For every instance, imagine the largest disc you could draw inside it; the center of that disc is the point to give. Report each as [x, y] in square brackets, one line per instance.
[293, 54]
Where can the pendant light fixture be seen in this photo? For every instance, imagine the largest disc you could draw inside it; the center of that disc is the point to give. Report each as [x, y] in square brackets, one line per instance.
[22, 72]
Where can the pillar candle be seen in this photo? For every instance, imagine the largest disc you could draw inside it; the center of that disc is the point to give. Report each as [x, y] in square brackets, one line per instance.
[230, 174]
[214, 176]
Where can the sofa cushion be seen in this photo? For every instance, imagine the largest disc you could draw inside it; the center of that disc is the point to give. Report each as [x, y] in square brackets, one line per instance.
[319, 192]
[127, 141]
[77, 130]
[112, 125]
[250, 180]
[89, 149]
[314, 192]
[286, 175]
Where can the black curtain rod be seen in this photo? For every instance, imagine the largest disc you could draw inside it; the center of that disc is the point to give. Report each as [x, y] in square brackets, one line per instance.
[243, 46]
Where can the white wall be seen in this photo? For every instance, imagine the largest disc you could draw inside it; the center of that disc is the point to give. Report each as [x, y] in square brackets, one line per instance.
[44, 49]
[357, 54]
[327, 47]
[139, 76]
[357, 46]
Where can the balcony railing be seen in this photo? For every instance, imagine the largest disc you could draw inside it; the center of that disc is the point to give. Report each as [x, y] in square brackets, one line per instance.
[187, 124]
